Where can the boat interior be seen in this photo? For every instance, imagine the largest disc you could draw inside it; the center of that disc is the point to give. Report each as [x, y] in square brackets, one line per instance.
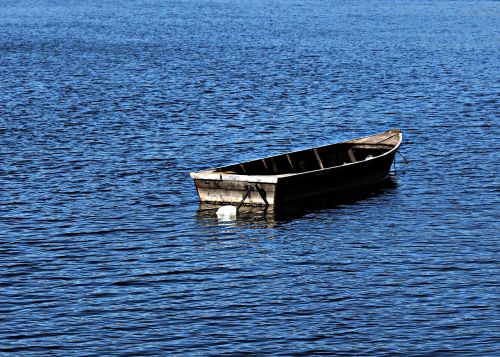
[309, 160]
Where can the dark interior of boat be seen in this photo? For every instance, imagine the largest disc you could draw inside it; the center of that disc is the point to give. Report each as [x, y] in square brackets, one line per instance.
[308, 160]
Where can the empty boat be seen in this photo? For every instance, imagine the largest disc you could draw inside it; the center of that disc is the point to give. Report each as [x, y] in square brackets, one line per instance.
[302, 176]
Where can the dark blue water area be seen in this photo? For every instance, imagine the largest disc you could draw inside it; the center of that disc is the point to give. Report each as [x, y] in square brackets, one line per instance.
[105, 108]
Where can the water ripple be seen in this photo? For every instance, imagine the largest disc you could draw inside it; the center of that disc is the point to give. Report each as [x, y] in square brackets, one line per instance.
[106, 108]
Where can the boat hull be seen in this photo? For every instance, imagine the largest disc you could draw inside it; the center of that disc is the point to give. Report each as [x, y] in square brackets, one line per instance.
[360, 173]
[336, 184]
[233, 192]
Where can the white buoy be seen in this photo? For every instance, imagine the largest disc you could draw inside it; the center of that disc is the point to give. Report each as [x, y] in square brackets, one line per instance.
[227, 213]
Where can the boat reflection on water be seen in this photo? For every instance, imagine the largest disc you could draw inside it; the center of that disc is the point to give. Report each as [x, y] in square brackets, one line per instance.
[261, 216]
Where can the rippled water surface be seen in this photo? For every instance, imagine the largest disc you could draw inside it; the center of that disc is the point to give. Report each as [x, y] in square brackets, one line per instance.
[106, 106]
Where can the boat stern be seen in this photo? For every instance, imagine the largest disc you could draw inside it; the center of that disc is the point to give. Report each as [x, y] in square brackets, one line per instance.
[222, 188]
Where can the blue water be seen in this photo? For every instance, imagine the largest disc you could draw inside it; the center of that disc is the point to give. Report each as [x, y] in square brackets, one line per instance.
[106, 106]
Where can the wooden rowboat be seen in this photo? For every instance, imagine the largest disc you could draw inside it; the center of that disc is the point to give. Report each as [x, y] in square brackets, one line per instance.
[302, 176]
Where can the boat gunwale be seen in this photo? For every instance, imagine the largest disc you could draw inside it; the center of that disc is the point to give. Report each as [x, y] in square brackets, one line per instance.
[212, 174]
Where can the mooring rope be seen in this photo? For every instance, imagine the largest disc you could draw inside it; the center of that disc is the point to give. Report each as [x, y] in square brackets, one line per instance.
[406, 161]
[249, 189]
[247, 192]
[262, 193]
